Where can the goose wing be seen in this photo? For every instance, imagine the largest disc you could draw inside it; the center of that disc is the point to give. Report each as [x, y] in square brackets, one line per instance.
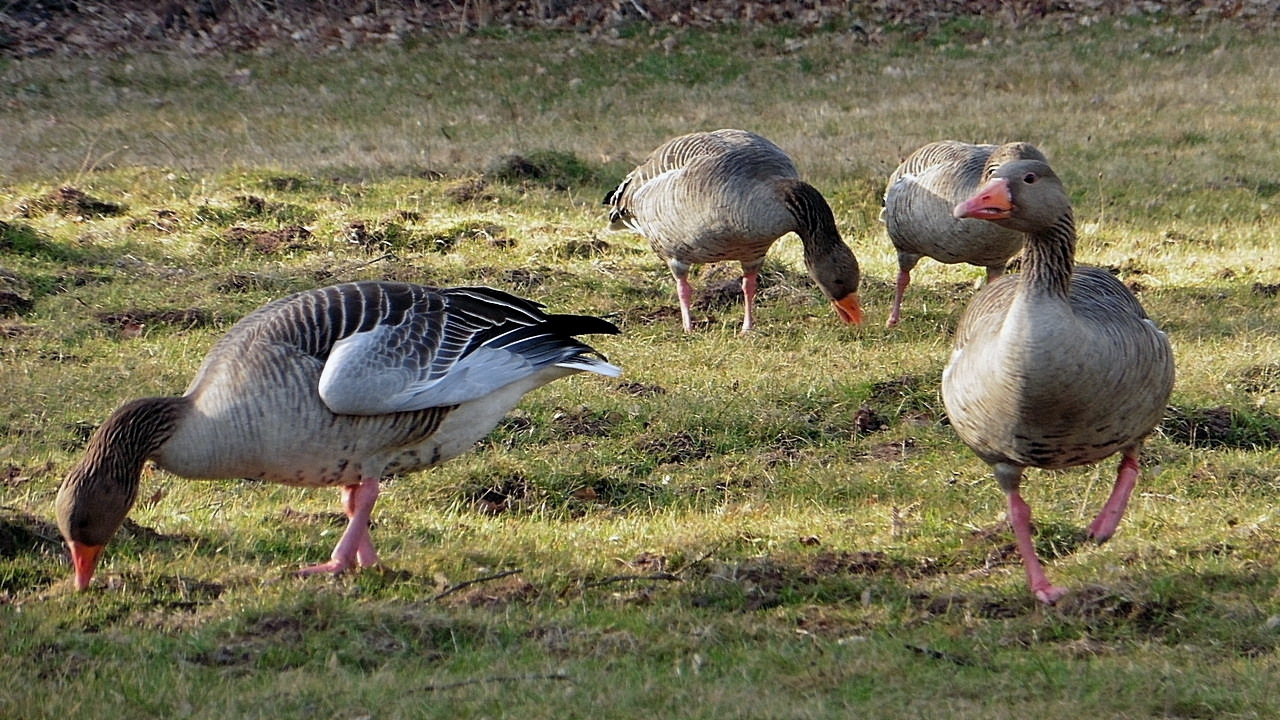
[430, 348]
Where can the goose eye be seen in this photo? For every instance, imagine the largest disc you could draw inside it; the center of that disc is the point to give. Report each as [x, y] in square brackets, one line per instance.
[1029, 178]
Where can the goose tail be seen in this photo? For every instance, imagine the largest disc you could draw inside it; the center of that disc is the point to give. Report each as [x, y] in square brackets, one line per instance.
[592, 363]
[552, 342]
[588, 359]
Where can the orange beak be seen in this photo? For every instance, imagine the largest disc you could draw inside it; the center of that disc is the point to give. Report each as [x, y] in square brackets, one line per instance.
[991, 202]
[84, 558]
[848, 309]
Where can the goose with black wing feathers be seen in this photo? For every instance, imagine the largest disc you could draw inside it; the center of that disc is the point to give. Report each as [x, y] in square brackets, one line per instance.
[337, 386]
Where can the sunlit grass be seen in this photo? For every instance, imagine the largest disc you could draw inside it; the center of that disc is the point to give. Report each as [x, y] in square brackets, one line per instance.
[778, 525]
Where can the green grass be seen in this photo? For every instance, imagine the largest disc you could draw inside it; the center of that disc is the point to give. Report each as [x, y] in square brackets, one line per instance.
[781, 525]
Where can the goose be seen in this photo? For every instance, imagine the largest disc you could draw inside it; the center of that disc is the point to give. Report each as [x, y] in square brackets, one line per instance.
[1056, 366]
[336, 386]
[917, 210]
[709, 197]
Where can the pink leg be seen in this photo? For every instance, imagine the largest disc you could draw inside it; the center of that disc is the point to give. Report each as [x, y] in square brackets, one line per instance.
[748, 300]
[684, 291]
[355, 545]
[356, 500]
[1104, 525]
[1020, 518]
[904, 279]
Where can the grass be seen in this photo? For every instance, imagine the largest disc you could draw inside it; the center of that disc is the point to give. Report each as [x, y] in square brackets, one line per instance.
[781, 525]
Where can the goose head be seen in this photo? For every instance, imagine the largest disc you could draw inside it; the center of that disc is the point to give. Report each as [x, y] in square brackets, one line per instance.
[1024, 195]
[99, 491]
[92, 504]
[1011, 152]
[837, 276]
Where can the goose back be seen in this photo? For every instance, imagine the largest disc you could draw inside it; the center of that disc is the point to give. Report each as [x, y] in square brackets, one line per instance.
[708, 197]
[922, 191]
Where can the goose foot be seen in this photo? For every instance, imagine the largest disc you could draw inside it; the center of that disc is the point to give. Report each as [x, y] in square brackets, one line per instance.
[1104, 525]
[1049, 594]
[333, 567]
[355, 547]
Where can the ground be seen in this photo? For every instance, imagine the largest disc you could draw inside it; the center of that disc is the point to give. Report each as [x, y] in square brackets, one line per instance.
[43, 27]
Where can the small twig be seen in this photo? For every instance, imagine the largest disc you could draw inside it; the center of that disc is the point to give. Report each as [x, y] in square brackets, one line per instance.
[623, 578]
[498, 679]
[515, 119]
[705, 555]
[367, 263]
[176, 158]
[380, 258]
[937, 654]
[455, 588]
[462, 18]
[88, 165]
[640, 9]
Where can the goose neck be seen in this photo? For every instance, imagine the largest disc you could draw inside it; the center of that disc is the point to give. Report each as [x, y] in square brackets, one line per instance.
[1049, 258]
[131, 435]
[815, 223]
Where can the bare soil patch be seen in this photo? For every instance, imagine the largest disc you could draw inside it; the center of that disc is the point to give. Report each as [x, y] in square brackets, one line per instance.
[71, 202]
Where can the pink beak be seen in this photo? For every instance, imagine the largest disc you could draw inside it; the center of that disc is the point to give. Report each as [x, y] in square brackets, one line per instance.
[84, 558]
[991, 202]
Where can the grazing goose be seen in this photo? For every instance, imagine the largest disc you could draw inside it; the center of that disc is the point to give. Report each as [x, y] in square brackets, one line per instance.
[1055, 366]
[335, 386]
[728, 195]
[917, 210]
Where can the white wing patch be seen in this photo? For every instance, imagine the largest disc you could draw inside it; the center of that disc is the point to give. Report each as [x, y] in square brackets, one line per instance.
[365, 376]
[362, 372]
[380, 371]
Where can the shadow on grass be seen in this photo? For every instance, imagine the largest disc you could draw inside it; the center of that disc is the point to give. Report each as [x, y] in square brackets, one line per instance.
[22, 239]
[1222, 427]
[23, 533]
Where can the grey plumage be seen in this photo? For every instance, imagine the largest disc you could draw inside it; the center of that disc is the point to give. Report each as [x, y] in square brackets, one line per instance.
[917, 210]
[729, 195]
[1055, 366]
[335, 386]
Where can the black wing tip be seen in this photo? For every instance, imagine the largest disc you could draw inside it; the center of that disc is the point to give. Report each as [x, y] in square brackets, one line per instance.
[495, 294]
[582, 325]
[565, 324]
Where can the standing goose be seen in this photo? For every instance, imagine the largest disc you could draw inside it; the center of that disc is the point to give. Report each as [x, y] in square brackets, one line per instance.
[1056, 366]
[335, 386]
[917, 210]
[728, 195]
